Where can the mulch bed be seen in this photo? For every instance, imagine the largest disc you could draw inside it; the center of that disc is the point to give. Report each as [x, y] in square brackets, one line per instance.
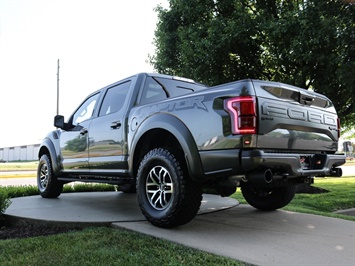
[307, 189]
[24, 230]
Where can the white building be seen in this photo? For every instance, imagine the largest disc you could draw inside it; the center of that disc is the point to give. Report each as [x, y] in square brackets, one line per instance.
[20, 153]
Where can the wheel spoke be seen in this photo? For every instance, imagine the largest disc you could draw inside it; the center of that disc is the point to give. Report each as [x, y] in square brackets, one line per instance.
[159, 187]
[44, 176]
[157, 202]
[154, 177]
[168, 188]
[166, 197]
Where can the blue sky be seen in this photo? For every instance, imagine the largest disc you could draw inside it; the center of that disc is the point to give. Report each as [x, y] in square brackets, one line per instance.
[97, 42]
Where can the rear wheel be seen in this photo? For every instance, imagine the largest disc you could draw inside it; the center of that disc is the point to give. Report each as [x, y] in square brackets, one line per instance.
[166, 195]
[47, 183]
[268, 198]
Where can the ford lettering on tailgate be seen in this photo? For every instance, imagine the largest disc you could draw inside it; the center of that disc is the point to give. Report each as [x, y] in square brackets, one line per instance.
[297, 113]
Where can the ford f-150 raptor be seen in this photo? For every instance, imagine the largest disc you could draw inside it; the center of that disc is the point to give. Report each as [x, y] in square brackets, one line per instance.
[166, 138]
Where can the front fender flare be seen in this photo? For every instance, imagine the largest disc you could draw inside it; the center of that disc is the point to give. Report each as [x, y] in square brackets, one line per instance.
[47, 144]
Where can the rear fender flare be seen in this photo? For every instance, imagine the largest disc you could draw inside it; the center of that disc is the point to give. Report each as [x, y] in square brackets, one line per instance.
[179, 130]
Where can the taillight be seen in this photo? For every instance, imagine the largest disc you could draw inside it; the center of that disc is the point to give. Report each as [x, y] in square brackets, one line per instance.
[338, 124]
[243, 114]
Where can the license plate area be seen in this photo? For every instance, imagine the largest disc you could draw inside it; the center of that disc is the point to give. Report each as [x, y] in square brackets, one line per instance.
[305, 161]
[315, 161]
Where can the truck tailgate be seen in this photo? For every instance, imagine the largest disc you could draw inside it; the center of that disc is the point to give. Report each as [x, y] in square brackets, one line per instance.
[292, 119]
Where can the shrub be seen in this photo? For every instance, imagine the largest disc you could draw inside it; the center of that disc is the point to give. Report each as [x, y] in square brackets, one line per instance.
[21, 191]
[4, 200]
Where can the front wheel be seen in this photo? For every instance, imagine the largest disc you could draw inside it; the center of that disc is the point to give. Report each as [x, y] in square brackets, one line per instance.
[47, 183]
[268, 198]
[166, 195]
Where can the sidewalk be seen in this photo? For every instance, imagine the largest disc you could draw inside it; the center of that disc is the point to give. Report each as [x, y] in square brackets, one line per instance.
[264, 238]
[350, 212]
[222, 227]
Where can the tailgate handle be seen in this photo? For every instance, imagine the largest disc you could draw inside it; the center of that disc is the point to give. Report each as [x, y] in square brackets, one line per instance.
[307, 99]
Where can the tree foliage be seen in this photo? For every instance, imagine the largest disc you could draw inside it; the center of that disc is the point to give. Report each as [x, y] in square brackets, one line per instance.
[78, 144]
[306, 43]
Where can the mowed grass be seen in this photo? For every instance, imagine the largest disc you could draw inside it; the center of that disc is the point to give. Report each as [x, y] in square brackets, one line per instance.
[18, 169]
[341, 196]
[103, 246]
[350, 162]
[19, 166]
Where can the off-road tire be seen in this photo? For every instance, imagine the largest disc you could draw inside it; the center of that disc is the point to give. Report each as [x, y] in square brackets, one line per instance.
[166, 195]
[268, 198]
[47, 183]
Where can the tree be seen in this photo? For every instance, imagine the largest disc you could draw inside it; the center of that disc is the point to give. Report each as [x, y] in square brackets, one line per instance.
[309, 44]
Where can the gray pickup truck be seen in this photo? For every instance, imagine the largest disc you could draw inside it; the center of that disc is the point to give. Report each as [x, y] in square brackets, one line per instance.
[167, 138]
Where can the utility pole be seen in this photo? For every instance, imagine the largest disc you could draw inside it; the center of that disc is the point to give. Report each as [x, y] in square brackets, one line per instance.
[58, 87]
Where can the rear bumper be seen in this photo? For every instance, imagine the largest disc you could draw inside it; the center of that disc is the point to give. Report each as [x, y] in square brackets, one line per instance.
[291, 164]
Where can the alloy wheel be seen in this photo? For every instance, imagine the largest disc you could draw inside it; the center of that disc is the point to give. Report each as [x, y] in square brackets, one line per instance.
[159, 188]
[44, 176]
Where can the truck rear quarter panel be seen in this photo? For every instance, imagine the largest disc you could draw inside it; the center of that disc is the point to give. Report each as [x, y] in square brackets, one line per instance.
[202, 115]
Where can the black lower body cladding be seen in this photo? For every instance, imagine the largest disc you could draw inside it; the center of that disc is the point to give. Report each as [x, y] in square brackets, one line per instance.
[234, 162]
[293, 165]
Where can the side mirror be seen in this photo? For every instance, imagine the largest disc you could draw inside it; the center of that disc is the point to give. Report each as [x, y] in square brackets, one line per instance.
[59, 121]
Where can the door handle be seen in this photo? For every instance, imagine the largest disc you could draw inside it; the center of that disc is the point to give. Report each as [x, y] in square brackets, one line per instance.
[83, 131]
[115, 125]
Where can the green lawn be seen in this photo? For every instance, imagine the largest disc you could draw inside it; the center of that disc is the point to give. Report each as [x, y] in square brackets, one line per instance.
[20, 166]
[103, 246]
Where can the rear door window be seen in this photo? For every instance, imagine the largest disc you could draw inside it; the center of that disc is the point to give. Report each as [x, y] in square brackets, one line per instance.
[115, 98]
